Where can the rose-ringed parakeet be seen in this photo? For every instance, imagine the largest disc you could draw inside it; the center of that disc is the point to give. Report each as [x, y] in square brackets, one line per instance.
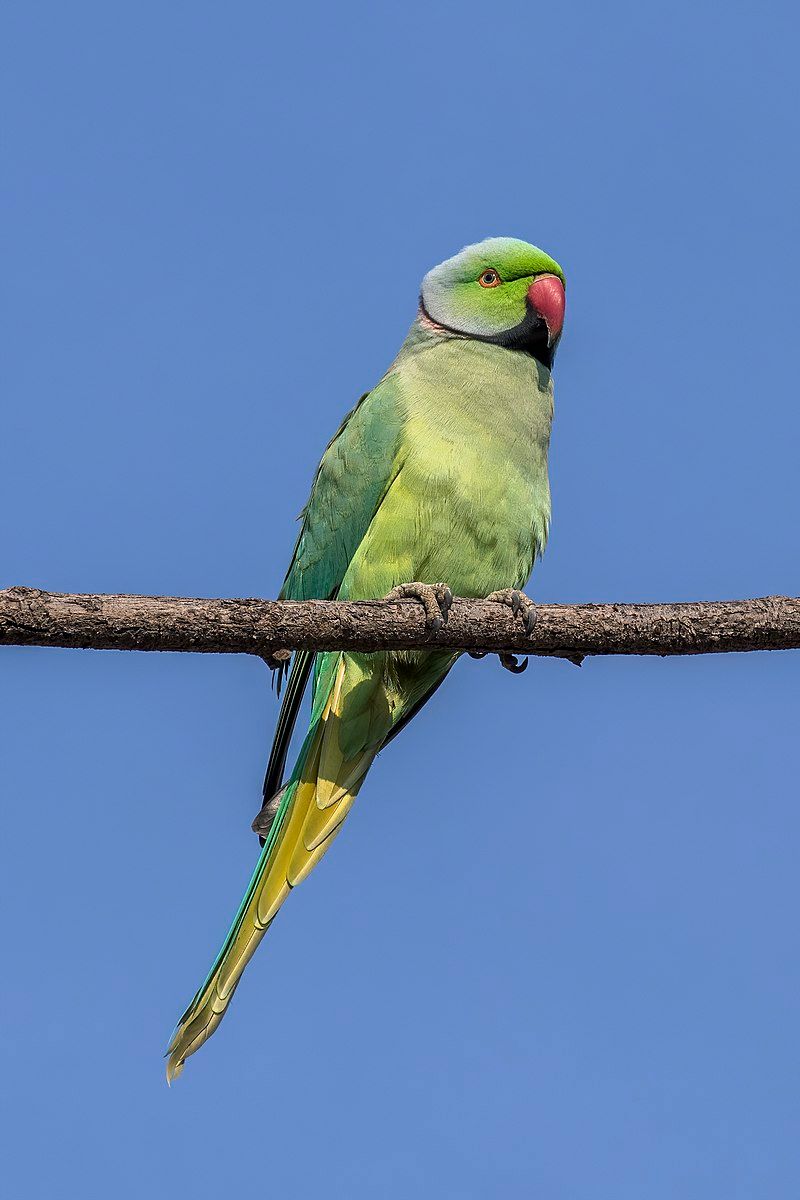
[438, 476]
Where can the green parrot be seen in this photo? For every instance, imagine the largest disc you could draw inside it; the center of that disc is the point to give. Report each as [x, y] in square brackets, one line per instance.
[438, 474]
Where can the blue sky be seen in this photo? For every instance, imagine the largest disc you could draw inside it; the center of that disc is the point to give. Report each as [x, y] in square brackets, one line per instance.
[554, 952]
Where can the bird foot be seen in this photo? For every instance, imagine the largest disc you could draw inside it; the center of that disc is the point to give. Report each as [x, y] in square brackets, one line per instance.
[521, 606]
[278, 663]
[436, 598]
[267, 814]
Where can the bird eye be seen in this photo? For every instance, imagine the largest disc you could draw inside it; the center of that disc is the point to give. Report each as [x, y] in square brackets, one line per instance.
[489, 278]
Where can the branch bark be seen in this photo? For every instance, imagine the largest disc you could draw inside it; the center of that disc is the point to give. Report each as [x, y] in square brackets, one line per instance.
[29, 617]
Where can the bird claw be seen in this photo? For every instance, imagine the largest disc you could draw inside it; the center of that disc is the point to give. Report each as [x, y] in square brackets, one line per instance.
[436, 599]
[520, 605]
[523, 607]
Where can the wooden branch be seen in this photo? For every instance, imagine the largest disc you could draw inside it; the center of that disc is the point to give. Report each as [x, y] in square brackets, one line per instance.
[29, 617]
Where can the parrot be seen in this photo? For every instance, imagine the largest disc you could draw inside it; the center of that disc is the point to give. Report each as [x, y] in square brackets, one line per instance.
[435, 484]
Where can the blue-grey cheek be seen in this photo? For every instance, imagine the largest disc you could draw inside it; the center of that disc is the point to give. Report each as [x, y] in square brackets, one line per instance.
[441, 303]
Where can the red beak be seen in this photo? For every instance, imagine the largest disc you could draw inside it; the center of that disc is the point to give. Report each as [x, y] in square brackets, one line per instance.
[546, 295]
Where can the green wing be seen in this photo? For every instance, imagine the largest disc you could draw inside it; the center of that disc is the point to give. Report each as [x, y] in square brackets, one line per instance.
[355, 473]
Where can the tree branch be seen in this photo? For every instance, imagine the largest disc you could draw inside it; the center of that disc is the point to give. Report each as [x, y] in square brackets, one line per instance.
[29, 617]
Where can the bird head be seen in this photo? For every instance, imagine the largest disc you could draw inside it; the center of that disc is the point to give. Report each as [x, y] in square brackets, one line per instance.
[500, 290]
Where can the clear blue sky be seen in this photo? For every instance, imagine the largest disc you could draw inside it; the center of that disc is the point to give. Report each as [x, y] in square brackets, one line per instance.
[555, 952]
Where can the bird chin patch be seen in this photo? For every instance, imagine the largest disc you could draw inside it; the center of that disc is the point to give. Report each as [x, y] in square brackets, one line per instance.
[530, 336]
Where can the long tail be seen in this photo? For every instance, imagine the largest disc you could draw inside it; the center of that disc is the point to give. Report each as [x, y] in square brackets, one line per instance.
[314, 804]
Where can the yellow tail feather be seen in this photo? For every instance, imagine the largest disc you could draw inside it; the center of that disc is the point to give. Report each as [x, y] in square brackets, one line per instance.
[316, 804]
